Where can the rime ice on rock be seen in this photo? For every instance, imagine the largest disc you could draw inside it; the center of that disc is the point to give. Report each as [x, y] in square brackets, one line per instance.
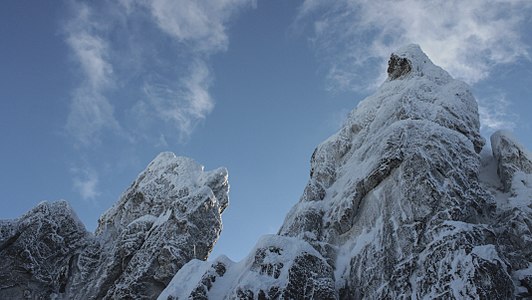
[36, 249]
[170, 215]
[401, 204]
[395, 207]
[511, 158]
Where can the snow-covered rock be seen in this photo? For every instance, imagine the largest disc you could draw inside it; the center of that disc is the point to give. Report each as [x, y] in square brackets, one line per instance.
[278, 267]
[170, 215]
[36, 250]
[511, 158]
[399, 197]
[395, 206]
[403, 202]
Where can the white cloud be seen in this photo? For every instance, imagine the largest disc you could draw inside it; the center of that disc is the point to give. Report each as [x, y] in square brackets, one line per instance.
[495, 113]
[467, 38]
[143, 70]
[200, 22]
[159, 47]
[91, 51]
[90, 111]
[196, 86]
[86, 183]
[182, 104]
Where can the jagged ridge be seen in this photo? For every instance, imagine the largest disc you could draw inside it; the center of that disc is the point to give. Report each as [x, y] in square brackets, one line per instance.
[170, 215]
[404, 202]
[394, 207]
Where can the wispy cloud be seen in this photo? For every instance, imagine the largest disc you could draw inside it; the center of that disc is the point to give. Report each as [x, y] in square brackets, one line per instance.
[495, 113]
[90, 110]
[85, 182]
[181, 104]
[143, 70]
[467, 38]
[90, 113]
[161, 47]
[201, 23]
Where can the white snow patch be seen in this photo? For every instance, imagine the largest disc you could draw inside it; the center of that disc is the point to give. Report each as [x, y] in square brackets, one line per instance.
[487, 252]
[521, 192]
[519, 275]
[241, 274]
[190, 275]
[350, 250]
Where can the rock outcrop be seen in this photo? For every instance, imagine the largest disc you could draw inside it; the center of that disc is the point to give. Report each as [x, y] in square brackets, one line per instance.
[396, 207]
[36, 251]
[511, 166]
[403, 202]
[511, 158]
[170, 215]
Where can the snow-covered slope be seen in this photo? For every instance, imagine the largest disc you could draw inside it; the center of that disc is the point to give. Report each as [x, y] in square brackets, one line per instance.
[395, 207]
[170, 215]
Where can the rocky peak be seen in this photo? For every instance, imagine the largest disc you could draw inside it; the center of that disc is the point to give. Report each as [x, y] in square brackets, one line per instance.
[169, 215]
[169, 182]
[399, 205]
[393, 209]
[511, 157]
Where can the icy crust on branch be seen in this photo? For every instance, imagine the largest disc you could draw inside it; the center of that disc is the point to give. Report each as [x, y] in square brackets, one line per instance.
[396, 207]
[168, 216]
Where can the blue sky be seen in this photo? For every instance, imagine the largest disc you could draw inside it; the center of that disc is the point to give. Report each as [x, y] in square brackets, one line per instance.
[91, 91]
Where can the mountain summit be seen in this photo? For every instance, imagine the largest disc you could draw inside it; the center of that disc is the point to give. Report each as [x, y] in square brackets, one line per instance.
[405, 201]
[169, 215]
[401, 204]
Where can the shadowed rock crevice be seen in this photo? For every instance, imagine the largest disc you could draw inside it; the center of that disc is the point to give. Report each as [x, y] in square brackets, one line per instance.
[398, 67]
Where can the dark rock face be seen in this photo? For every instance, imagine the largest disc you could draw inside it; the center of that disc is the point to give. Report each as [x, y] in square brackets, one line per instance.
[207, 280]
[398, 66]
[310, 278]
[170, 215]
